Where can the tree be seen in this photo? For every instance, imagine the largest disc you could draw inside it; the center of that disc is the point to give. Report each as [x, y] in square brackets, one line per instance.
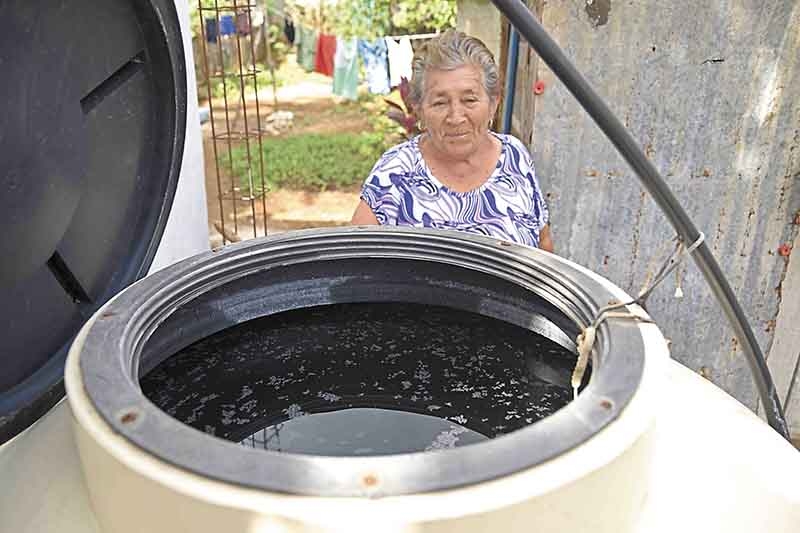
[369, 19]
[424, 16]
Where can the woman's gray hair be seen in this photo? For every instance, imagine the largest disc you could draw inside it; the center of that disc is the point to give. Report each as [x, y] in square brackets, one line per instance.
[449, 51]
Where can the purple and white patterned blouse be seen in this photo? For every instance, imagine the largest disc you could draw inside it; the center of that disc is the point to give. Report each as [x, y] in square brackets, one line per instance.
[402, 191]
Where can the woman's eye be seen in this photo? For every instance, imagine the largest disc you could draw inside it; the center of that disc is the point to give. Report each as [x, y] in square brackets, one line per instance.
[438, 104]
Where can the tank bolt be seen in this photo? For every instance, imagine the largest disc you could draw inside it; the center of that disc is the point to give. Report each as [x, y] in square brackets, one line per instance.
[606, 404]
[129, 417]
[784, 250]
[370, 480]
[538, 87]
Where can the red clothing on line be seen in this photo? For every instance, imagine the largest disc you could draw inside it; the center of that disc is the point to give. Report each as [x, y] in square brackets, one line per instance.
[326, 49]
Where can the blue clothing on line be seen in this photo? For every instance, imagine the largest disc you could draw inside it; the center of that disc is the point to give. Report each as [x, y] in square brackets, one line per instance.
[211, 30]
[227, 25]
[376, 67]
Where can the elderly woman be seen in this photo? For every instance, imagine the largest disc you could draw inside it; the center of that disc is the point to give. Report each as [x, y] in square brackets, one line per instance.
[457, 174]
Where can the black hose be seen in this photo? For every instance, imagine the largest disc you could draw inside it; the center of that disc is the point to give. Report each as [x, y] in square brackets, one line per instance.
[527, 25]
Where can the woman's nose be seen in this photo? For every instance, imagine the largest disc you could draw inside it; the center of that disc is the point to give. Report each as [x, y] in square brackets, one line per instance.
[456, 114]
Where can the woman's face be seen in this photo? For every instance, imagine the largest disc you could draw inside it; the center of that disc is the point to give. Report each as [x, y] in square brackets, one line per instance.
[456, 110]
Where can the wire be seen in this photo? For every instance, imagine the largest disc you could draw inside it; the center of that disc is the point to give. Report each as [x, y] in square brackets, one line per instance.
[585, 341]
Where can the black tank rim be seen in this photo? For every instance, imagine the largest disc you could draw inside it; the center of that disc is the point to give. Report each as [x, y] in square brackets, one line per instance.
[114, 349]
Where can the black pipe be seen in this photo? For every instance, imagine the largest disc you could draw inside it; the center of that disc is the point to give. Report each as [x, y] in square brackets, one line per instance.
[530, 28]
[511, 79]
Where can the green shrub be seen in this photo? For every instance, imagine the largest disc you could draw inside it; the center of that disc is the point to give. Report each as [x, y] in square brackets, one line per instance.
[310, 161]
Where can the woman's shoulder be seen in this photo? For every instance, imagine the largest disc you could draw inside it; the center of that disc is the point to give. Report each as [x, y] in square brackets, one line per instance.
[400, 157]
[410, 146]
[509, 140]
[517, 154]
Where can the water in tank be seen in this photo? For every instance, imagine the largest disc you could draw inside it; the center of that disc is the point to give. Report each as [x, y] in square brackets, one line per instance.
[364, 379]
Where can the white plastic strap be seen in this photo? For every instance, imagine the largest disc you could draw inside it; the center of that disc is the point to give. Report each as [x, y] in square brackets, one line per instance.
[585, 342]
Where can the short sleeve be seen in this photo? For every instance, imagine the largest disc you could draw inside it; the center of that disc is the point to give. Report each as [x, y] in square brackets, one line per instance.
[375, 196]
[380, 191]
[540, 210]
[538, 206]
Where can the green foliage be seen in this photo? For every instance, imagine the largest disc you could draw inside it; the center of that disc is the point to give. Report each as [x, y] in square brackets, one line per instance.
[374, 18]
[194, 15]
[422, 16]
[380, 123]
[364, 19]
[311, 161]
[278, 48]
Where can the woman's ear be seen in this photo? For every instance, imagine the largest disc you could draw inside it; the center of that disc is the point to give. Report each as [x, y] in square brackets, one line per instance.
[495, 102]
[494, 105]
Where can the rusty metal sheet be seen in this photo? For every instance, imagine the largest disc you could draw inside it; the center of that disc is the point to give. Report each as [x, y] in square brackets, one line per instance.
[712, 93]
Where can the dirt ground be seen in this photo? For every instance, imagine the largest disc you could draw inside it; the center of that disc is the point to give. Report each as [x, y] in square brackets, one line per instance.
[238, 216]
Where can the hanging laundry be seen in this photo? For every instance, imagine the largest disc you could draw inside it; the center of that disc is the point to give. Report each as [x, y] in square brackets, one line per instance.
[288, 30]
[256, 17]
[373, 54]
[243, 23]
[326, 49]
[306, 39]
[345, 68]
[400, 57]
[211, 30]
[227, 26]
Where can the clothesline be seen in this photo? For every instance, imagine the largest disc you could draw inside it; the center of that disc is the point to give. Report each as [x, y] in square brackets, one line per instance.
[410, 36]
[388, 60]
[413, 36]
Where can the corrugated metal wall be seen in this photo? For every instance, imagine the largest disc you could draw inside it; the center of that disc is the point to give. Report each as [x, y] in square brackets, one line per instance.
[711, 90]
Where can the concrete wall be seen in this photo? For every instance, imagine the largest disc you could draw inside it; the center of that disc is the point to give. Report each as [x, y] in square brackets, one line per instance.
[480, 19]
[711, 90]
